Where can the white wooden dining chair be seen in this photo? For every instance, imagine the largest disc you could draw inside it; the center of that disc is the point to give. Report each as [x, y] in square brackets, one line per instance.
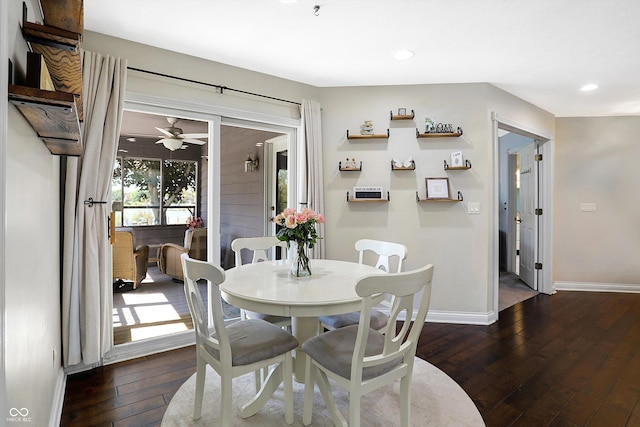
[234, 349]
[362, 359]
[259, 246]
[385, 251]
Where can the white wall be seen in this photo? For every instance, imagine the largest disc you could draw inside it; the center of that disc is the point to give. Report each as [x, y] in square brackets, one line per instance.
[597, 162]
[31, 336]
[184, 66]
[439, 233]
[457, 243]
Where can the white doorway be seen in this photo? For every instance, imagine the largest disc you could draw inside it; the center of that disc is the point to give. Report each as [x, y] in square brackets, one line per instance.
[213, 158]
[523, 223]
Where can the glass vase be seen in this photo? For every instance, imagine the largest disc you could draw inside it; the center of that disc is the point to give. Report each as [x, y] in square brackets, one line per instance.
[300, 262]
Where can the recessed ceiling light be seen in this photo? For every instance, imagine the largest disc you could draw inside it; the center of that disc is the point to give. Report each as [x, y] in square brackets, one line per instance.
[131, 139]
[589, 87]
[403, 54]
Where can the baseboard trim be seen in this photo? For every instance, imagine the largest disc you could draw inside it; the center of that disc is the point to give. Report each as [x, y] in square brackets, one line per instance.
[133, 350]
[434, 316]
[463, 318]
[597, 287]
[58, 399]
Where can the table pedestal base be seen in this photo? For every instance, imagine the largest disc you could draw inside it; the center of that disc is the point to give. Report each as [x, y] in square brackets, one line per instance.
[303, 328]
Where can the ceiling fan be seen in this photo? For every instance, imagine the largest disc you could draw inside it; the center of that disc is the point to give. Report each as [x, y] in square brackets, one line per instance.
[173, 138]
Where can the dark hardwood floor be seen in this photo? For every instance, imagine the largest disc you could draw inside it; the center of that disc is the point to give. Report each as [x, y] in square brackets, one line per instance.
[571, 359]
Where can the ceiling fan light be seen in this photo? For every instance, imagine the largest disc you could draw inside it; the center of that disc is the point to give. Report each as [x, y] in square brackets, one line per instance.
[172, 143]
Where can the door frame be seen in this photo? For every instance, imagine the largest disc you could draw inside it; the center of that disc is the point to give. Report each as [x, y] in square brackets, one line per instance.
[273, 146]
[545, 229]
[215, 116]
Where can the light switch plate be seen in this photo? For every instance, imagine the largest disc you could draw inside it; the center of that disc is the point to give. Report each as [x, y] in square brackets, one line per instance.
[473, 208]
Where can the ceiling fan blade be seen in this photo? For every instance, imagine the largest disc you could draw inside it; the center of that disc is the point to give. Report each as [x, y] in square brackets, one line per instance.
[193, 141]
[166, 132]
[194, 135]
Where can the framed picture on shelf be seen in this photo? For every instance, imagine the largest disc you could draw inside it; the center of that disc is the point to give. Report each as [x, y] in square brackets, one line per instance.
[437, 188]
[402, 111]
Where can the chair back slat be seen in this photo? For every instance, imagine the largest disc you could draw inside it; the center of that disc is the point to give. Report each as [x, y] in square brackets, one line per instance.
[259, 245]
[405, 289]
[195, 270]
[384, 250]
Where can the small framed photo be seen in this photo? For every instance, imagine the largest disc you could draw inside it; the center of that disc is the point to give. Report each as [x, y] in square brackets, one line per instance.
[437, 188]
[402, 111]
[456, 159]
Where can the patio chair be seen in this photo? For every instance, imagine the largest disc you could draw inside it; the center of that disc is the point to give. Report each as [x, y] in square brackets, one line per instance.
[128, 261]
[195, 244]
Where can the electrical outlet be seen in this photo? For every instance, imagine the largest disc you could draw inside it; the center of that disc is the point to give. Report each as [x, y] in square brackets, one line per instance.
[473, 208]
[587, 207]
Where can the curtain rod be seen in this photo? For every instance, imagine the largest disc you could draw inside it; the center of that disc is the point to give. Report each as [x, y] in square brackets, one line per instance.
[221, 88]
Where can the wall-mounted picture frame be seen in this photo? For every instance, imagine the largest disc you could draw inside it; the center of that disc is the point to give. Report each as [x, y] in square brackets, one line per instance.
[437, 188]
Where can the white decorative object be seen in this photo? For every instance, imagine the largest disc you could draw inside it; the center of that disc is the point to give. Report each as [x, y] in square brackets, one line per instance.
[429, 125]
[456, 159]
[367, 128]
[408, 162]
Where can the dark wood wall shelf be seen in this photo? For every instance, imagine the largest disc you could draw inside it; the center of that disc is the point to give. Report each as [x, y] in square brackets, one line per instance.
[53, 115]
[60, 50]
[352, 169]
[51, 36]
[371, 136]
[467, 165]
[403, 168]
[459, 199]
[403, 116]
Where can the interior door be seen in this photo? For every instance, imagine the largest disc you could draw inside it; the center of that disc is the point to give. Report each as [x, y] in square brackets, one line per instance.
[528, 217]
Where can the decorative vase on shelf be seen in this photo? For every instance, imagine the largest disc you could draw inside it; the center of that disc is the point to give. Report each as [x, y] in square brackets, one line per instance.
[300, 262]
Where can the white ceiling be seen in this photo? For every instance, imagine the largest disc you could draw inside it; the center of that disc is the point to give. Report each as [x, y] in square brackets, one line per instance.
[542, 51]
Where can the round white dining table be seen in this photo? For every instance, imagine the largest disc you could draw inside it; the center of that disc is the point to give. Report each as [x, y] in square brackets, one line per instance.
[269, 288]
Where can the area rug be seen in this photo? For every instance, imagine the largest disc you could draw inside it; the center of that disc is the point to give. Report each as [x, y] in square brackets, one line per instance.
[436, 401]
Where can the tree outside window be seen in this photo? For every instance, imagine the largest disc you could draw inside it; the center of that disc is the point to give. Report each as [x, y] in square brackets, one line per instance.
[154, 192]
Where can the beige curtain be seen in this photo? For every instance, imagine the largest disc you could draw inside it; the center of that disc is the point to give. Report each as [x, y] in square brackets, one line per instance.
[86, 275]
[312, 187]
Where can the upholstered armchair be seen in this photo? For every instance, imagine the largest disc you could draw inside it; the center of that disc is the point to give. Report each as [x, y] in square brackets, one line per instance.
[195, 244]
[128, 261]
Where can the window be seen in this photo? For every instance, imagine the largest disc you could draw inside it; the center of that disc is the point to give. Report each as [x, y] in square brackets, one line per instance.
[153, 191]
